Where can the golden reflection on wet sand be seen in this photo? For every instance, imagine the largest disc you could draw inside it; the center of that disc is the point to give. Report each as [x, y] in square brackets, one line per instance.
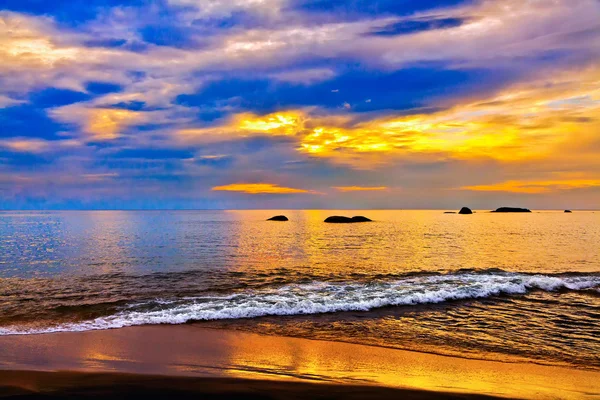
[193, 350]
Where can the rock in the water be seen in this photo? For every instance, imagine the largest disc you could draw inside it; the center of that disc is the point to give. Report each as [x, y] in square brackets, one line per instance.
[512, 210]
[337, 219]
[568, 211]
[278, 218]
[465, 210]
[449, 212]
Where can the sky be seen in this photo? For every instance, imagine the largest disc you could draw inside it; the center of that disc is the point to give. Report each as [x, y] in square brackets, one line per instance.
[202, 104]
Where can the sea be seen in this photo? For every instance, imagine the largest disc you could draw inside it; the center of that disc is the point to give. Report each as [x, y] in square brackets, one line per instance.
[510, 287]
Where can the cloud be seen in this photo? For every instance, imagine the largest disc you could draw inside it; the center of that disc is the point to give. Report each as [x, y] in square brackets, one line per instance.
[439, 95]
[360, 188]
[529, 121]
[100, 123]
[248, 124]
[407, 27]
[536, 187]
[224, 8]
[25, 145]
[24, 43]
[6, 101]
[305, 77]
[259, 188]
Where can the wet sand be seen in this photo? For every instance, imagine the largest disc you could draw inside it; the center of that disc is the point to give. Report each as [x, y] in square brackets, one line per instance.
[78, 385]
[192, 360]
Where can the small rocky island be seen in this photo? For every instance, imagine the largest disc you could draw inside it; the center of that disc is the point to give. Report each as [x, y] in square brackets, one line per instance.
[465, 210]
[512, 210]
[336, 219]
[568, 211]
[278, 218]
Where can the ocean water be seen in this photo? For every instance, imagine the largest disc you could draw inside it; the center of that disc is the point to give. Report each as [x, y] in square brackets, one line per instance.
[512, 287]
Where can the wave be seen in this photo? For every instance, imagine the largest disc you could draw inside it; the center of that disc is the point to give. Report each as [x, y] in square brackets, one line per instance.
[324, 297]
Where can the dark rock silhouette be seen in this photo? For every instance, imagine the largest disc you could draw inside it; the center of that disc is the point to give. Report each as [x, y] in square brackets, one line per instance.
[568, 211]
[278, 218]
[512, 210]
[336, 219]
[449, 212]
[360, 218]
[465, 210]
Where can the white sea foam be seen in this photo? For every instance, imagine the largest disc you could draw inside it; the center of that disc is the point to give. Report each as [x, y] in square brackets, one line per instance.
[325, 297]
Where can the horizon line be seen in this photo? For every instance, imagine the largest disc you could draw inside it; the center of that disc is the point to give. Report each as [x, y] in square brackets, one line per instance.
[283, 209]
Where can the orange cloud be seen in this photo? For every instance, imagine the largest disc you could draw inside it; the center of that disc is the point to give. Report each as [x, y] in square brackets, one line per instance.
[284, 123]
[99, 122]
[535, 187]
[360, 188]
[259, 188]
[36, 146]
[24, 145]
[527, 122]
[106, 123]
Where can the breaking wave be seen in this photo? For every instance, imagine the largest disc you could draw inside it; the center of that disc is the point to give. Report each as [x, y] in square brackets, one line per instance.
[324, 297]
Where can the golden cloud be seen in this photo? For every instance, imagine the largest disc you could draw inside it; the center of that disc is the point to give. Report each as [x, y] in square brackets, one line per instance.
[535, 187]
[259, 188]
[23, 43]
[360, 188]
[24, 145]
[284, 123]
[107, 123]
[248, 124]
[100, 123]
[524, 123]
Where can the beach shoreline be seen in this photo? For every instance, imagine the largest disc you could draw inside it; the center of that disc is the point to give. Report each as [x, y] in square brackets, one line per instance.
[208, 356]
[86, 385]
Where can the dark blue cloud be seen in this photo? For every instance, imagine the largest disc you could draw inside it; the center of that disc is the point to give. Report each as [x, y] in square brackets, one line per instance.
[418, 25]
[137, 75]
[100, 88]
[136, 46]
[31, 119]
[153, 153]
[145, 167]
[219, 162]
[210, 115]
[152, 127]
[172, 36]
[150, 163]
[28, 120]
[24, 160]
[235, 20]
[168, 28]
[68, 12]
[355, 9]
[133, 45]
[54, 97]
[362, 90]
[130, 105]
[108, 43]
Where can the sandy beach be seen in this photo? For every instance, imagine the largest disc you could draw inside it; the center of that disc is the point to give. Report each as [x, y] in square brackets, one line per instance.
[192, 359]
[75, 385]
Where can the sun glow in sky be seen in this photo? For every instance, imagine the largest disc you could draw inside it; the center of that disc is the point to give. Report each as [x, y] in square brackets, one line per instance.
[194, 104]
